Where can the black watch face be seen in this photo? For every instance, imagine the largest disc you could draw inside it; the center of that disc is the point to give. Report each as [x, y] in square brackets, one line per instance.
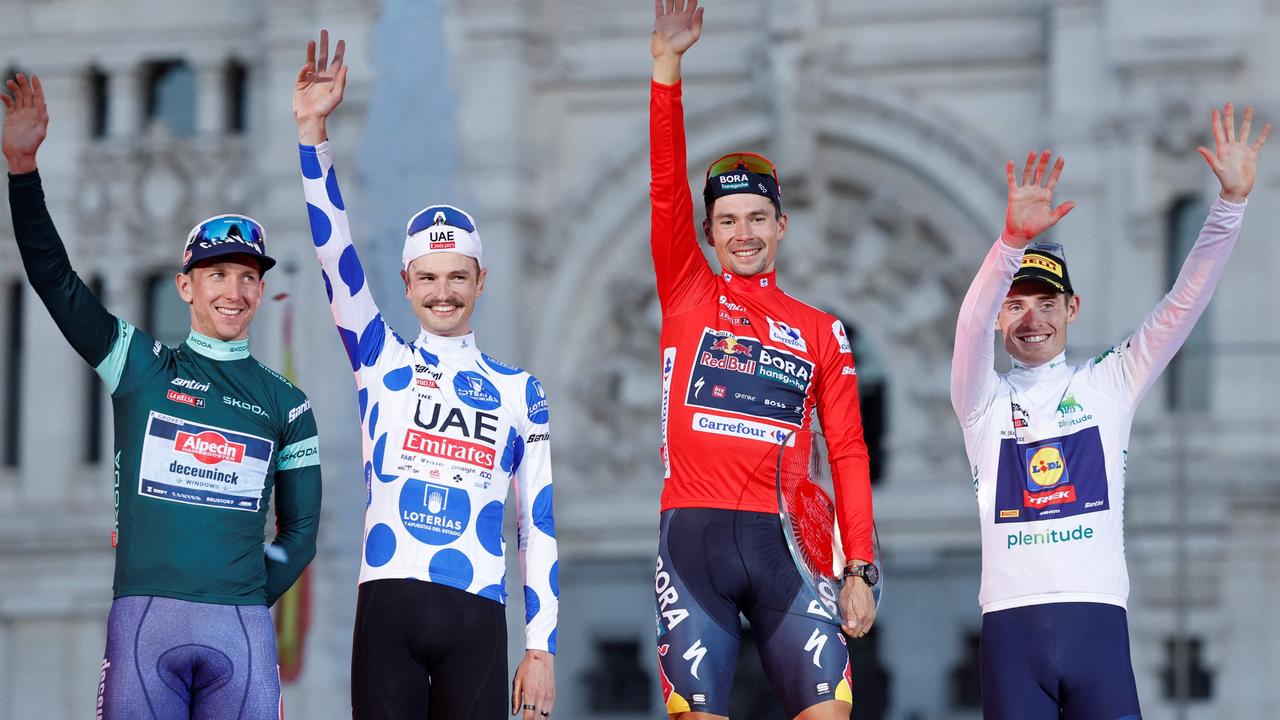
[871, 573]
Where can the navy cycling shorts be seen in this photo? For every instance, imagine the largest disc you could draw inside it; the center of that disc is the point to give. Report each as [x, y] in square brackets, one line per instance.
[1059, 660]
[715, 564]
[173, 659]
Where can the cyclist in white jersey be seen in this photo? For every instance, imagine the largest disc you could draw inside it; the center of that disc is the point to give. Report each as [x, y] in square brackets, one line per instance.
[1048, 443]
[445, 430]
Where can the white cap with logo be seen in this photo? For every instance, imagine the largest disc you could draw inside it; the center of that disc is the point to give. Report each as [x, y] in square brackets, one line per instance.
[441, 228]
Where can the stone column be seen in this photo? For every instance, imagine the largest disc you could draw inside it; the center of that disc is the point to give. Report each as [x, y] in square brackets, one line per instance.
[211, 96]
[126, 101]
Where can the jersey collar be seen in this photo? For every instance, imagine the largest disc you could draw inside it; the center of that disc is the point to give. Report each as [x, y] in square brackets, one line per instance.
[755, 283]
[218, 349]
[1053, 366]
[439, 343]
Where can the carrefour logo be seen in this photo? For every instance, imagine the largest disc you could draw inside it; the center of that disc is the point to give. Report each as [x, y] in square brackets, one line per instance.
[741, 428]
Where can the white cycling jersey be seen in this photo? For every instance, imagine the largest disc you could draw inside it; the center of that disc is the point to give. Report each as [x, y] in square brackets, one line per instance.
[1048, 445]
[445, 429]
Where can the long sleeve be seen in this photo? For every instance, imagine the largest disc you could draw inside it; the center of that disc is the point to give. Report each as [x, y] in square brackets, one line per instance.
[684, 278]
[1131, 367]
[360, 324]
[298, 491]
[536, 523]
[973, 375]
[841, 419]
[83, 321]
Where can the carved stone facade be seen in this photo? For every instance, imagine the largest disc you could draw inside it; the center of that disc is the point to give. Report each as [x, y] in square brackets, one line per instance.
[890, 125]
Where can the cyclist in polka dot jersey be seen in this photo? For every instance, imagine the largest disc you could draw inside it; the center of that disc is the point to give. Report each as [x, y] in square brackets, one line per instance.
[445, 430]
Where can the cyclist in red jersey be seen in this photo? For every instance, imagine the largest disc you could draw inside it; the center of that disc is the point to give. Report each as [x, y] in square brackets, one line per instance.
[743, 365]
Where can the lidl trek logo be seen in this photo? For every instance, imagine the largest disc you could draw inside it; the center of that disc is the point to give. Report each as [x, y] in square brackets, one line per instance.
[1047, 479]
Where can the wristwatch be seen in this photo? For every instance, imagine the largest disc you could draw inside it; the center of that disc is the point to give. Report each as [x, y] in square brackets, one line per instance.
[869, 573]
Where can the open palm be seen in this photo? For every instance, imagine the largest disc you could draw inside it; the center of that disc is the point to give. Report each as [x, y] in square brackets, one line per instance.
[677, 25]
[321, 82]
[26, 122]
[1234, 160]
[1030, 210]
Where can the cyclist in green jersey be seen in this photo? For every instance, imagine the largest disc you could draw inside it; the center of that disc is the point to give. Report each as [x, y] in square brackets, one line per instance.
[204, 434]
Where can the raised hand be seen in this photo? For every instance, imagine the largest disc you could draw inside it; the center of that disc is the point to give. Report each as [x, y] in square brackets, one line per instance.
[319, 89]
[1235, 161]
[1030, 210]
[26, 122]
[677, 25]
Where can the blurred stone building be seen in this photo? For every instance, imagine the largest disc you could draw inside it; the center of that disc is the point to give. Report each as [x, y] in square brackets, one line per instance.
[890, 123]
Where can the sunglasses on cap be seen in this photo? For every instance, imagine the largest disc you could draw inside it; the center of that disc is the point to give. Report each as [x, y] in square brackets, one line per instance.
[750, 162]
[1049, 248]
[228, 228]
[440, 215]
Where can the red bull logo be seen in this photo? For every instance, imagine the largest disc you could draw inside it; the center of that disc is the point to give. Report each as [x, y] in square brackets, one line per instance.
[674, 701]
[730, 345]
[209, 447]
[727, 352]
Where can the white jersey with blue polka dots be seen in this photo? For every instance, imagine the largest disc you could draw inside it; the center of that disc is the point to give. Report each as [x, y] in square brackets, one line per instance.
[445, 431]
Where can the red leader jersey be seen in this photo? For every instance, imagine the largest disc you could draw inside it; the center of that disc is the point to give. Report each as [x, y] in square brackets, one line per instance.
[743, 364]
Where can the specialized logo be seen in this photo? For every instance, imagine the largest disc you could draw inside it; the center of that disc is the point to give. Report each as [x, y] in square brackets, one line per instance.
[703, 422]
[434, 514]
[842, 340]
[184, 398]
[787, 335]
[470, 453]
[209, 447]
[475, 390]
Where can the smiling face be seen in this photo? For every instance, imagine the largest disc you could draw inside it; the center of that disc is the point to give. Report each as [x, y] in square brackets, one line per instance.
[224, 294]
[1034, 320]
[442, 288]
[745, 230]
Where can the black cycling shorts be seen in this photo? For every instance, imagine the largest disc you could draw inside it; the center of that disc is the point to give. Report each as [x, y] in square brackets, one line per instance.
[425, 650]
[715, 564]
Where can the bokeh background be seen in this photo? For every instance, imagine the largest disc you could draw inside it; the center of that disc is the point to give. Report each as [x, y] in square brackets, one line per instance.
[890, 122]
